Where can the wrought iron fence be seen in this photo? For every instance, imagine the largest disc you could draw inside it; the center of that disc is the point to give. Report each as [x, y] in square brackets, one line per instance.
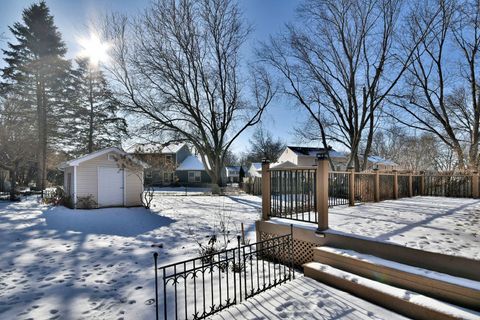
[200, 287]
[293, 194]
[338, 188]
[448, 186]
[416, 185]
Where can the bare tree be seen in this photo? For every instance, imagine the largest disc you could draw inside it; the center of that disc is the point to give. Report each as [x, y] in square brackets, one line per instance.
[340, 62]
[178, 70]
[15, 139]
[441, 94]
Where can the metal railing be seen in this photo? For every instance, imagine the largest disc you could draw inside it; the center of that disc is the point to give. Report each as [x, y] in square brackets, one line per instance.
[448, 186]
[403, 186]
[386, 186]
[293, 194]
[364, 187]
[200, 287]
[338, 188]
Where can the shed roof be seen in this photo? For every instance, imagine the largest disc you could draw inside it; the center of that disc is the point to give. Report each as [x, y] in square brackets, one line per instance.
[93, 155]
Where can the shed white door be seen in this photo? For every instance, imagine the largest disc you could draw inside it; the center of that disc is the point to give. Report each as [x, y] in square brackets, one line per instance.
[110, 187]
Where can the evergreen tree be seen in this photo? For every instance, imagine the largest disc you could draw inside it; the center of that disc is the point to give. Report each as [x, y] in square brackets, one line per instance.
[96, 122]
[36, 71]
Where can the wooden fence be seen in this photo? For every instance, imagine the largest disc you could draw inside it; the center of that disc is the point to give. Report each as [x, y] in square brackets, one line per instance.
[252, 185]
[306, 193]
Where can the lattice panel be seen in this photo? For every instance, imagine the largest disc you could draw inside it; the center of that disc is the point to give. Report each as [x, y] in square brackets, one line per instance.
[302, 250]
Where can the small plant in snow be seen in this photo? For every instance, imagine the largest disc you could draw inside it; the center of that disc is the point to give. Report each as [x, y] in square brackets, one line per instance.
[147, 197]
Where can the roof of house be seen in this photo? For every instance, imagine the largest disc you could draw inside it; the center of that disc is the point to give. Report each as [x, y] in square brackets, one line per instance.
[380, 160]
[256, 165]
[279, 165]
[93, 155]
[312, 152]
[155, 148]
[233, 168]
[191, 163]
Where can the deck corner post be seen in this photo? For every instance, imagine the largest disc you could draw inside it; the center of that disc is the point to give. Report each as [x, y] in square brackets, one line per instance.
[351, 186]
[395, 184]
[410, 185]
[265, 189]
[322, 190]
[475, 189]
[376, 186]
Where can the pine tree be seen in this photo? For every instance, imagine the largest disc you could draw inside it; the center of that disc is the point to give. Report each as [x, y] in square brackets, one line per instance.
[36, 71]
[96, 122]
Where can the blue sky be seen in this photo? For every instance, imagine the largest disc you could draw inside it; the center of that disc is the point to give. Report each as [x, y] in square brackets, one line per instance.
[266, 16]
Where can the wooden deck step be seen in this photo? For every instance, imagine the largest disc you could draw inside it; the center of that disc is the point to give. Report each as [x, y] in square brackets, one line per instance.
[408, 303]
[456, 290]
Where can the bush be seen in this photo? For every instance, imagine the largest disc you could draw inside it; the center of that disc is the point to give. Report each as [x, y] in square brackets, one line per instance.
[87, 202]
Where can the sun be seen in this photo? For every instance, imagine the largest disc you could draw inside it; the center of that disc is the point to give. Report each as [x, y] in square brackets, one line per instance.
[94, 49]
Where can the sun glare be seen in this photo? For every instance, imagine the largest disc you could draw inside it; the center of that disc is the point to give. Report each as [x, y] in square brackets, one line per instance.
[94, 49]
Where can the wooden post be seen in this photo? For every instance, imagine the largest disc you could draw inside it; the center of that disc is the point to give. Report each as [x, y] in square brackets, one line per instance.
[351, 187]
[422, 183]
[475, 190]
[322, 191]
[265, 189]
[410, 185]
[395, 184]
[376, 186]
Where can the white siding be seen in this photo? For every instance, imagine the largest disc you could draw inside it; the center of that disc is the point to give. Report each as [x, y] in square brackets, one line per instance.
[133, 187]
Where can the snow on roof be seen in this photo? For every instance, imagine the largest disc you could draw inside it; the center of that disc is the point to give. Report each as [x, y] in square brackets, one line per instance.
[173, 148]
[93, 155]
[155, 148]
[233, 168]
[191, 163]
[312, 152]
[380, 160]
[286, 164]
[256, 165]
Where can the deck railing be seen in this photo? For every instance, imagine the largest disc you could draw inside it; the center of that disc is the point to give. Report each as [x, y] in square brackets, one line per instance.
[306, 193]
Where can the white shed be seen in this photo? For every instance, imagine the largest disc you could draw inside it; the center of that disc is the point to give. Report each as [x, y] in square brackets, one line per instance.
[106, 178]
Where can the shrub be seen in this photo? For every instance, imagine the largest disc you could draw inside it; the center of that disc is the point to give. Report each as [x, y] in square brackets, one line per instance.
[87, 202]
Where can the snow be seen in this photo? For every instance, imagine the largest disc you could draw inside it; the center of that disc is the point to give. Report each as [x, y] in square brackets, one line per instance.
[191, 163]
[305, 298]
[380, 160]
[405, 268]
[57, 263]
[182, 191]
[413, 297]
[449, 226]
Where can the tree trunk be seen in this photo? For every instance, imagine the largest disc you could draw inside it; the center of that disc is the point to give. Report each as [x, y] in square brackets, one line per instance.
[13, 181]
[90, 100]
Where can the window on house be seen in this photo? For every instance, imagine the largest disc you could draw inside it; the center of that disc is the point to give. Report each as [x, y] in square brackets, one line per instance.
[168, 176]
[194, 176]
[168, 159]
[148, 173]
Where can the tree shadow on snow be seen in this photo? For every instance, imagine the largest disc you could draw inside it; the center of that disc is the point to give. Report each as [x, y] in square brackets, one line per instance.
[126, 222]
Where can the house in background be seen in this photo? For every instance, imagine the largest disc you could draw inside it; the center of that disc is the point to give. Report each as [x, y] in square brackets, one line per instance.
[376, 162]
[174, 164]
[234, 174]
[306, 157]
[255, 170]
[106, 178]
[163, 161]
[192, 172]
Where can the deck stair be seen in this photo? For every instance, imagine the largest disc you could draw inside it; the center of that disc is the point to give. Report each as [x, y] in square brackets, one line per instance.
[415, 292]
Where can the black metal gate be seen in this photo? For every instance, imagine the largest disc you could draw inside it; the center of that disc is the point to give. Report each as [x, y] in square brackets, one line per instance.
[199, 287]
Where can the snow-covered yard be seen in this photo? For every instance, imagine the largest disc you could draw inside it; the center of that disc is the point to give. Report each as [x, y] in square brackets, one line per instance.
[57, 263]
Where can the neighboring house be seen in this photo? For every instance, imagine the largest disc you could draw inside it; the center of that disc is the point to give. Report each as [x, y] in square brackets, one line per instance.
[192, 172]
[171, 165]
[109, 178]
[234, 174]
[306, 157]
[376, 162]
[255, 170]
[163, 161]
